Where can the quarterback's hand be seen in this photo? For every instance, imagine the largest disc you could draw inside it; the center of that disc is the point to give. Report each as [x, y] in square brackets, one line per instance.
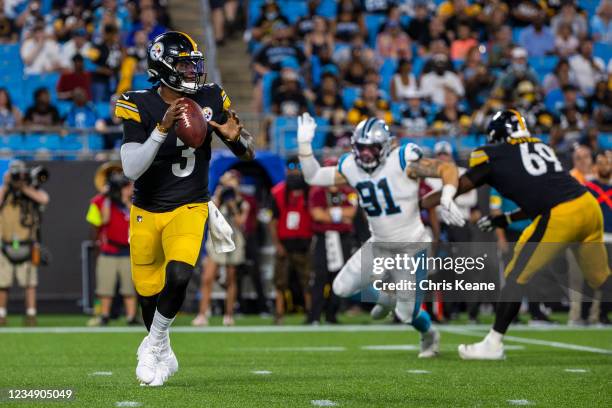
[306, 128]
[231, 129]
[172, 114]
[450, 212]
[488, 223]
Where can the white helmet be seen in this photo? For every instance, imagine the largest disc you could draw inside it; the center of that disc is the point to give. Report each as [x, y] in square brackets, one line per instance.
[371, 142]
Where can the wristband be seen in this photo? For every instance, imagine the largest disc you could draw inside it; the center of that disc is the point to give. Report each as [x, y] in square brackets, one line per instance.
[239, 146]
[158, 136]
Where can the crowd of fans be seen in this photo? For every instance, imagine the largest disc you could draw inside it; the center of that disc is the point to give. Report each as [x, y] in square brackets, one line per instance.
[93, 48]
[437, 69]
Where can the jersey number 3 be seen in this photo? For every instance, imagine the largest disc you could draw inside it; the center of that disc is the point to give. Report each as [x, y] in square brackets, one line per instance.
[186, 163]
[537, 162]
[369, 199]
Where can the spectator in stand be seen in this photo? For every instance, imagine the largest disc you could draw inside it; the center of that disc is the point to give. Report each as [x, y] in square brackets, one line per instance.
[118, 12]
[349, 22]
[82, 114]
[523, 12]
[223, 15]
[477, 79]
[31, 17]
[559, 78]
[500, 48]
[403, 82]
[78, 44]
[148, 23]
[566, 42]
[106, 55]
[494, 17]
[452, 119]
[418, 27]
[280, 48]
[537, 39]
[10, 115]
[328, 102]
[288, 97]
[434, 83]
[77, 78]
[436, 31]
[40, 53]
[588, 70]
[355, 73]
[370, 104]
[333, 210]
[320, 37]
[135, 62]
[413, 120]
[291, 233]
[538, 118]
[600, 105]
[601, 23]
[517, 72]
[463, 43]
[568, 14]
[42, 113]
[9, 32]
[455, 11]
[110, 127]
[270, 22]
[392, 42]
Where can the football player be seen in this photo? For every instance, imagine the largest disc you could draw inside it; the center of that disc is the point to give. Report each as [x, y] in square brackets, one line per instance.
[528, 172]
[171, 187]
[386, 180]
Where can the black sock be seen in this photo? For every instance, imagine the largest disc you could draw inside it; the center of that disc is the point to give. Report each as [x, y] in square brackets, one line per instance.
[148, 305]
[172, 296]
[606, 290]
[508, 306]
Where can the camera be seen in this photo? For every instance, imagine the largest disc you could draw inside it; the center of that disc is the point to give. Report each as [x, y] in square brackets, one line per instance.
[228, 194]
[115, 183]
[35, 176]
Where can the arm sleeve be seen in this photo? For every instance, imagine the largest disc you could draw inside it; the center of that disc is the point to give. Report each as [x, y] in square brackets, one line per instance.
[314, 174]
[136, 158]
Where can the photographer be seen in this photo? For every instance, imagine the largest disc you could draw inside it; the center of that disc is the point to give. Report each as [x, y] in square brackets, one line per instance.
[235, 210]
[109, 215]
[21, 203]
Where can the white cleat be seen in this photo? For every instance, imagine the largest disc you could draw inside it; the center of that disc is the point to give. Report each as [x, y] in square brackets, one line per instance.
[430, 344]
[162, 373]
[484, 350]
[380, 312]
[168, 358]
[148, 358]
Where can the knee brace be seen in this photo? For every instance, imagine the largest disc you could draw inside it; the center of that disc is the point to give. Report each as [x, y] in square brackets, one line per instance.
[178, 274]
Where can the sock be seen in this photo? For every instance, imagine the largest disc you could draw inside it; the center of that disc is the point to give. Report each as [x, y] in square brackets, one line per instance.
[494, 337]
[147, 306]
[504, 315]
[422, 323]
[31, 311]
[159, 329]
[2, 311]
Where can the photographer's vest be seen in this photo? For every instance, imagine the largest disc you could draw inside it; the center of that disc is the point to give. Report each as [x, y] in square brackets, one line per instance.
[18, 234]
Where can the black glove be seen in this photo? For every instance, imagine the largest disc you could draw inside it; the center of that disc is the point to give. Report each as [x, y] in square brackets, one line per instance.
[489, 223]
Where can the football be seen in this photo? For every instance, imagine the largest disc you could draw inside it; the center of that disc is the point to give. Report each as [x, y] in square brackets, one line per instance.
[191, 127]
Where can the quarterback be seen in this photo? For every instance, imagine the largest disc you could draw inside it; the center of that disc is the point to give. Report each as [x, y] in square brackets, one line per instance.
[562, 211]
[170, 207]
[386, 180]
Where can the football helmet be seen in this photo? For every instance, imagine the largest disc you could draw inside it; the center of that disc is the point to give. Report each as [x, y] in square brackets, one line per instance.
[371, 143]
[174, 59]
[506, 124]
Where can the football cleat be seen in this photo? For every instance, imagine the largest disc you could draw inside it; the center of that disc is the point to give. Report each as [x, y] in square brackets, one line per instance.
[168, 358]
[162, 373]
[384, 305]
[148, 358]
[430, 344]
[483, 350]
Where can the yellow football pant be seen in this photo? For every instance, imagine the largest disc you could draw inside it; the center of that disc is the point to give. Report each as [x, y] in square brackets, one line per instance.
[158, 238]
[578, 222]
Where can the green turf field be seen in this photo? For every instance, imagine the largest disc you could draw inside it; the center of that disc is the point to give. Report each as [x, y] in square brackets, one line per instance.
[357, 365]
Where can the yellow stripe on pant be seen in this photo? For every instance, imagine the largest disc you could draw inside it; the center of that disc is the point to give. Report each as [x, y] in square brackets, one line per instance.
[157, 238]
[578, 221]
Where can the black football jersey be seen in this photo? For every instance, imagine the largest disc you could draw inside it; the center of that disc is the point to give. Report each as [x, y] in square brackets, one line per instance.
[178, 174]
[527, 172]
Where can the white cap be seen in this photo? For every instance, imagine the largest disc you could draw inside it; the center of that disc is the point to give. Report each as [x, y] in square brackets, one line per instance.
[519, 52]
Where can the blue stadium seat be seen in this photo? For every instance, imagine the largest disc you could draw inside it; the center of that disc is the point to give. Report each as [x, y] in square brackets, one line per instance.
[33, 82]
[349, 96]
[605, 141]
[266, 83]
[293, 9]
[141, 81]
[12, 141]
[327, 9]
[373, 23]
[71, 142]
[543, 65]
[37, 142]
[553, 99]
[417, 65]
[516, 34]
[254, 11]
[590, 6]
[95, 142]
[603, 51]
[470, 142]
[284, 133]
[63, 107]
[387, 70]
[103, 110]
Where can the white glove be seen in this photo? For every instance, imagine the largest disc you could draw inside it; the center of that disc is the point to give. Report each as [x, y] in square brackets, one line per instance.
[450, 212]
[336, 214]
[305, 133]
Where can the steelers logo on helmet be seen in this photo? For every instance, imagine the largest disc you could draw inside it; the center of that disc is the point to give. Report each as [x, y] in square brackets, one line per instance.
[371, 142]
[207, 113]
[157, 51]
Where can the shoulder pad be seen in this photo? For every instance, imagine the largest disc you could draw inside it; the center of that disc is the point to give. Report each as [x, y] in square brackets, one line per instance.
[478, 156]
[409, 152]
[127, 108]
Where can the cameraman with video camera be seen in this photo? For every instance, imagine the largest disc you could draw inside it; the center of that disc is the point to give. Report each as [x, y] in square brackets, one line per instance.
[21, 205]
[109, 216]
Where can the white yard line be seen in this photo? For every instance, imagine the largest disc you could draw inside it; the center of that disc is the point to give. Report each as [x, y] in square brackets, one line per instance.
[323, 403]
[292, 349]
[524, 340]
[102, 373]
[283, 329]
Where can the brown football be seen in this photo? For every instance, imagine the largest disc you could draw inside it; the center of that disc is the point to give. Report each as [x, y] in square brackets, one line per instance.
[191, 127]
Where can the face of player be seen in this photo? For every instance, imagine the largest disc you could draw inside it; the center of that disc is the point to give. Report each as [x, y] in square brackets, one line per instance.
[191, 70]
[369, 153]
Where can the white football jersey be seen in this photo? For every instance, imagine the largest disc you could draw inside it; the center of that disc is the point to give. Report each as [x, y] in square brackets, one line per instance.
[388, 196]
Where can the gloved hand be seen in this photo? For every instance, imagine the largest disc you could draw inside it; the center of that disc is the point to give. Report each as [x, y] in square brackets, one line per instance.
[489, 223]
[450, 212]
[305, 133]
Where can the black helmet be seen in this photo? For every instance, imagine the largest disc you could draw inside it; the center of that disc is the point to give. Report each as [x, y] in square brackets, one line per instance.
[506, 124]
[174, 59]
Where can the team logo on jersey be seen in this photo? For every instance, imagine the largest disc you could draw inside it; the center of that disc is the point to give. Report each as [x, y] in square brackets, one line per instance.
[157, 50]
[207, 112]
